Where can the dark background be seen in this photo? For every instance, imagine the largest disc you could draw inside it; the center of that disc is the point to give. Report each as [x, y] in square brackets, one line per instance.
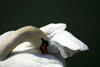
[82, 18]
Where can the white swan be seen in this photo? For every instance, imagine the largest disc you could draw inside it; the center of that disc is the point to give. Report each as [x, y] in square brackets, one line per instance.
[34, 48]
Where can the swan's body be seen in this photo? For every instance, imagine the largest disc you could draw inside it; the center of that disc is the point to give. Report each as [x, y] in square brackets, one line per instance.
[61, 45]
[30, 60]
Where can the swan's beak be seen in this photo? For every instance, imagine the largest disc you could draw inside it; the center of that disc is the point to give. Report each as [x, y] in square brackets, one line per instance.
[43, 46]
[28, 33]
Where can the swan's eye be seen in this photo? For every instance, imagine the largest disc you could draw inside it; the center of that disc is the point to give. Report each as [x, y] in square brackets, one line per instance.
[43, 46]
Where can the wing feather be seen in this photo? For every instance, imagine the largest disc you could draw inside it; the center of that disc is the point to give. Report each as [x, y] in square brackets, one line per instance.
[66, 43]
[50, 28]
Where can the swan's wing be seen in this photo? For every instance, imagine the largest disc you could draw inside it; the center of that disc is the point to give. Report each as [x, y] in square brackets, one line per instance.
[50, 28]
[4, 36]
[66, 43]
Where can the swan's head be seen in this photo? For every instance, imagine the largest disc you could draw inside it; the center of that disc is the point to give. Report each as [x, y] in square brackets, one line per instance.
[30, 34]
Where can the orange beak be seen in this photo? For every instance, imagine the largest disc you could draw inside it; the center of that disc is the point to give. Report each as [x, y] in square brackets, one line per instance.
[43, 47]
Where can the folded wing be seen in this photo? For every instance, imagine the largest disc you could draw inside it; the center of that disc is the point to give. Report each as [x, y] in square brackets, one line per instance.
[66, 43]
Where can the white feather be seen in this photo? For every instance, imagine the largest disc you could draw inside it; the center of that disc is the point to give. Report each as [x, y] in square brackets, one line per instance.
[63, 40]
[66, 39]
[31, 60]
[4, 36]
[48, 29]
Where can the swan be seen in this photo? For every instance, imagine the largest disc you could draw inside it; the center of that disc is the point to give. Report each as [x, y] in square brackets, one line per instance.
[30, 46]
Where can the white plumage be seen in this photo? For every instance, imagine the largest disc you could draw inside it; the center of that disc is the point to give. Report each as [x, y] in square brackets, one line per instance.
[63, 40]
[61, 45]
